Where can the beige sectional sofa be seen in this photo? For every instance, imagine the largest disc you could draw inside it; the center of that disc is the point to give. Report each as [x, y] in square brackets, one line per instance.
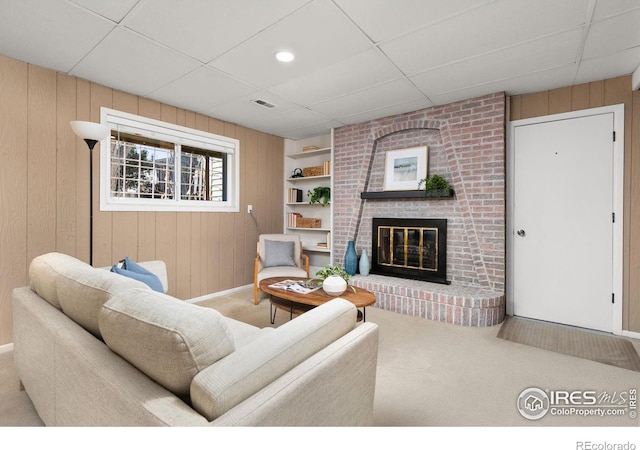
[94, 348]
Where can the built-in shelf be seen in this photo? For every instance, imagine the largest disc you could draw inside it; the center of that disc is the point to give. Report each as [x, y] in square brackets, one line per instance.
[404, 194]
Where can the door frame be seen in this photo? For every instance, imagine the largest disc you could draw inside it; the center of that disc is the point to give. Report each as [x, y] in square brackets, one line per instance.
[618, 200]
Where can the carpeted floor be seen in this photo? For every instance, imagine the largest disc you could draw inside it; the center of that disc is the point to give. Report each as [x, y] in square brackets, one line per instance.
[572, 341]
[429, 373]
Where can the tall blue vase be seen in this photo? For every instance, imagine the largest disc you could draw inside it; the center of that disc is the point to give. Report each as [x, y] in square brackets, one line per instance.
[351, 259]
[364, 264]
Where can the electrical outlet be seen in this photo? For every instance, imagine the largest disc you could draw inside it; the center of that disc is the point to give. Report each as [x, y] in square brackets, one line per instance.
[249, 209]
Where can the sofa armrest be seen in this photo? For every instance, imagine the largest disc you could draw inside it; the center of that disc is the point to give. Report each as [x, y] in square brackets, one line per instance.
[226, 383]
[335, 387]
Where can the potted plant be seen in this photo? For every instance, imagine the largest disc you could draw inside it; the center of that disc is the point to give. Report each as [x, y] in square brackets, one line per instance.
[320, 194]
[435, 186]
[335, 279]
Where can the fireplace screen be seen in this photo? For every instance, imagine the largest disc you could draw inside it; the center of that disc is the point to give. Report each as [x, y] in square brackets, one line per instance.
[410, 248]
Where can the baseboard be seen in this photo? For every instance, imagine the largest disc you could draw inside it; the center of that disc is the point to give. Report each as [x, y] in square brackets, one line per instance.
[219, 294]
[631, 334]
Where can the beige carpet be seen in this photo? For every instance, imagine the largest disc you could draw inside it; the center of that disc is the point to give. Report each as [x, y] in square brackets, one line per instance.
[430, 374]
[572, 341]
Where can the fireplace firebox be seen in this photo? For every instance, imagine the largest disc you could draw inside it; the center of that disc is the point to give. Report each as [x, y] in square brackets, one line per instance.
[410, 248]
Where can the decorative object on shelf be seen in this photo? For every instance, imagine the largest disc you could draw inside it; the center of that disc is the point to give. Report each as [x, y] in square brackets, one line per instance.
[320, 195]
[351, 259]
[309, 148]
[331, 271]
[314, 171]
[404, 168]
[307, 222]
[297, 173]
[435, 186]
[364, 264]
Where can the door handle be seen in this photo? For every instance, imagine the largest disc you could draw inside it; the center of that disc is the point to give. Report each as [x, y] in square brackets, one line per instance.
[521, 233]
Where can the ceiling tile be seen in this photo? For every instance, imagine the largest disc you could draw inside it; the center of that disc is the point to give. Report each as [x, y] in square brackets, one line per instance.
[613, 35]
[386, 111]
[314, 46]
[351, 74]
[115, 11]
[609, 66]
[533, 56]
[497, 25]
[608, 8]
[205, 30]
[382, 20]
[201, 89]
[132, 63]
[47, 33]
[533, 82]
[383, 95]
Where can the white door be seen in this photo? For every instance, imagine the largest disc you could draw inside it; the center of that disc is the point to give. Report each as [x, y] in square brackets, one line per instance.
[563, 177]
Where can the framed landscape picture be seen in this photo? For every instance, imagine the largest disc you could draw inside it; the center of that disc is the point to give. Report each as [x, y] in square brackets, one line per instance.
[405, 168]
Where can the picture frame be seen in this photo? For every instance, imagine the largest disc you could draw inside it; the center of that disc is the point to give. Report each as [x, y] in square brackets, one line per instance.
[405, 168]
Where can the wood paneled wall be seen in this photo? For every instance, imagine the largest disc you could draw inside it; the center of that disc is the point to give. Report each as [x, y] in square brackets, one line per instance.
[44, 195]
[592, 95]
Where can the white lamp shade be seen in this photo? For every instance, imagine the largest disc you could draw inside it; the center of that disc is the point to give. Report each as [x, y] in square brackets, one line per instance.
[90, 130]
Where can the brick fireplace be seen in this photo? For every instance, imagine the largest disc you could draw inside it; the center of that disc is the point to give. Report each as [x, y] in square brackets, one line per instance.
[466, 145]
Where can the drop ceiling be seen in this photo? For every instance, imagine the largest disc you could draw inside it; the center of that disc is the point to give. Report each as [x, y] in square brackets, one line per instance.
[355, 60]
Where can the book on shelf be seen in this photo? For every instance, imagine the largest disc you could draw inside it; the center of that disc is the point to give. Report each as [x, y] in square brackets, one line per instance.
[326, 168]
[294, 195]
[292, 219]
[326, 244]
[299, 286]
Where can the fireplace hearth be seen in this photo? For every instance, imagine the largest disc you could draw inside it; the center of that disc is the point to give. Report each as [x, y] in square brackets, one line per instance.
[410, 248]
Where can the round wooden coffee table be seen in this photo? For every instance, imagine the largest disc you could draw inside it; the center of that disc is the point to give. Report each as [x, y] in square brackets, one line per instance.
[297, 303]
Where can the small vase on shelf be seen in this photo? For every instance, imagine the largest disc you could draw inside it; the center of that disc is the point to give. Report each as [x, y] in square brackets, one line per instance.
[364, 264]
[351, 259]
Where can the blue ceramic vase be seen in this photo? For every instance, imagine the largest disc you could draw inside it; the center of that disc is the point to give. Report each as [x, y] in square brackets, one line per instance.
[351, 259]
[364, 264]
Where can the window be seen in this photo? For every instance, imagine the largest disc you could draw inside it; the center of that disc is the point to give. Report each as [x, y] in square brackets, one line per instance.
[150, 165]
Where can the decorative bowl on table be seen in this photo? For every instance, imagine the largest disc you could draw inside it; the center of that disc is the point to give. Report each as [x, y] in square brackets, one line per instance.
[334, 285]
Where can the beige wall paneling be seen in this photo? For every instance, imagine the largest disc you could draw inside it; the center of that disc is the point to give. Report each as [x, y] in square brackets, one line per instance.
[41, 121]
[83, 112]
[13, 186]
[592, 95]
[66, 166]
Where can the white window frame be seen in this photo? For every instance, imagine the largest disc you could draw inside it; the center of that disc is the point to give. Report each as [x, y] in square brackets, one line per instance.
[156, 129]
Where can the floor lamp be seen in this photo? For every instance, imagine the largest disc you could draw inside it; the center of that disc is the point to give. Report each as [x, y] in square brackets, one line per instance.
[92, 133]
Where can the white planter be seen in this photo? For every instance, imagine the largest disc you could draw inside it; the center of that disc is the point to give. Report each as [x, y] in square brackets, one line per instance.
[334, 285]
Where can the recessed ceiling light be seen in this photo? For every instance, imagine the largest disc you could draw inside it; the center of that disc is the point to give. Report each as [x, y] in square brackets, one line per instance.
[285, 56]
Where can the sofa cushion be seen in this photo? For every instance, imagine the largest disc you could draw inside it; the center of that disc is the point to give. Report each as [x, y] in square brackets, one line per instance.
[167, 339]
[225, 384]
[76, 287]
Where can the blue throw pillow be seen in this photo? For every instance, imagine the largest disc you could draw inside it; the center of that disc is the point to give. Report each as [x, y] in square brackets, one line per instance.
[137, 272]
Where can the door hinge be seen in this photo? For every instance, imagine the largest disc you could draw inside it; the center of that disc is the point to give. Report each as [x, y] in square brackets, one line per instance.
[613, 217]
[613, 297]
[614, 136]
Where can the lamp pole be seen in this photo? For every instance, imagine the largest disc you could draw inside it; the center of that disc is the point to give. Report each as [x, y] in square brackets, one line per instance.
[91, 133]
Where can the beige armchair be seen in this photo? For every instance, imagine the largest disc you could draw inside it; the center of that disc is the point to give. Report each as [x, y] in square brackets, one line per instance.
[278, 255]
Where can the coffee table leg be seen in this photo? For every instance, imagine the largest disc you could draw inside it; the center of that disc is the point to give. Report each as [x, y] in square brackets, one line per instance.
[272, 313]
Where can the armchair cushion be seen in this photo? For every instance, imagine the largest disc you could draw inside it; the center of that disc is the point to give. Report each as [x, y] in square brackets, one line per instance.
[279, 253]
